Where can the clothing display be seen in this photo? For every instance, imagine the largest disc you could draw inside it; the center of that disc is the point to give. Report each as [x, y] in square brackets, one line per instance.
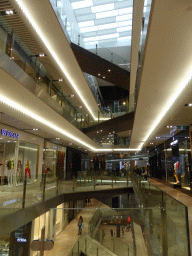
[27, 170]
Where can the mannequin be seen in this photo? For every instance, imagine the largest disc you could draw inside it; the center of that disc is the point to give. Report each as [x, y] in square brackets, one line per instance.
[19, 168]
[27, 170]
[10, 167]
[176, 169]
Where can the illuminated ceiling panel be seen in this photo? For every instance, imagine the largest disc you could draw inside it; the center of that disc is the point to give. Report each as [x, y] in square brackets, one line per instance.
[101, 16]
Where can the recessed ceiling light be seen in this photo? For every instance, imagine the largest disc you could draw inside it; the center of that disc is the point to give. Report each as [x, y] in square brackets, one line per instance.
[60, 80]
[70, 143]
[99, 74]
[72, 96]
[35, 129]
[109, 70]
[9, 12]
[57, 138]
[104, 77]
[80, 106]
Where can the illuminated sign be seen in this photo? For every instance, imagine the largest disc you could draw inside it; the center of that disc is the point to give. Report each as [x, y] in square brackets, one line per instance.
[173, 142]
[21, 240]
[9, 134]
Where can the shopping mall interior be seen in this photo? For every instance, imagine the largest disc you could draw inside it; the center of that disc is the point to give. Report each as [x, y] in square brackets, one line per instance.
[96, 127]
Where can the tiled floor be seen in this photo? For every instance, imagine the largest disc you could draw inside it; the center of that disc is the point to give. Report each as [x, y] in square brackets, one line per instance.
[68, 237]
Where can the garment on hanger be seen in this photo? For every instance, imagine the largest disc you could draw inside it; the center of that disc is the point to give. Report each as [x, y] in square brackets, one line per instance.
[27, 170]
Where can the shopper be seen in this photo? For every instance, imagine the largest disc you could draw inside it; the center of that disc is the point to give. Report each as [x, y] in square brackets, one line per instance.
[111, 231]
[80, 223]
[123, 227]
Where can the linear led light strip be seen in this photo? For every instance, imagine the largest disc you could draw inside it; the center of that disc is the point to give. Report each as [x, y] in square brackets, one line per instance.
[23, 5]
[178, 90]
[31, 114]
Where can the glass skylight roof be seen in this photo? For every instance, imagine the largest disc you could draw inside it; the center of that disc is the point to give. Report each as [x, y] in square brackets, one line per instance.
[103, 20]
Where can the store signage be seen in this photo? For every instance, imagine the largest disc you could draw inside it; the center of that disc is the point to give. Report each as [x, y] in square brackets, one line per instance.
[11, 201]
[56, 147]
[173, 142]
[21, 240]
[9, 134]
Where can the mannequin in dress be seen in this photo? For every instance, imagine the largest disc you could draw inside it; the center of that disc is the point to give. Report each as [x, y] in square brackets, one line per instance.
[27, 170]
[176, 169]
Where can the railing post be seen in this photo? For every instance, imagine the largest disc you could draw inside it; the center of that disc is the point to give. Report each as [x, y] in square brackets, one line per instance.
[73, 184]
[115, 178]
[24, 193]
[57, 185]
[86, 246]
[112, 181]
[127, 178]
[44, 182]
[128, 251]
[78, 247]
[97, 251]
[94, 182]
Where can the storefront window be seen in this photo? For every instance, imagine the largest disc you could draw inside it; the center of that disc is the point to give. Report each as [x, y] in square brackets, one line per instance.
[4, 245]
[27, 162]
[7, 161]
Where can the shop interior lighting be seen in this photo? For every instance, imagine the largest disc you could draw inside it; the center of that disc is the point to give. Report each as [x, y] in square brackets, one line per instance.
[82, 4]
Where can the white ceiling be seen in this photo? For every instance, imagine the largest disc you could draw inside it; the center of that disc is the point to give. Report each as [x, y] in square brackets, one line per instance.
[166, 74]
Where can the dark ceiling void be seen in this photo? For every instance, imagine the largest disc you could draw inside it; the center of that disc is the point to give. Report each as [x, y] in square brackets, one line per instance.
[95, 65]
[112, 93]
[115, 125]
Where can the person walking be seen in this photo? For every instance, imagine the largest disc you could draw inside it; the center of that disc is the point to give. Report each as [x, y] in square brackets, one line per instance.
[80, 222]
[111, 231]
[123, 227]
